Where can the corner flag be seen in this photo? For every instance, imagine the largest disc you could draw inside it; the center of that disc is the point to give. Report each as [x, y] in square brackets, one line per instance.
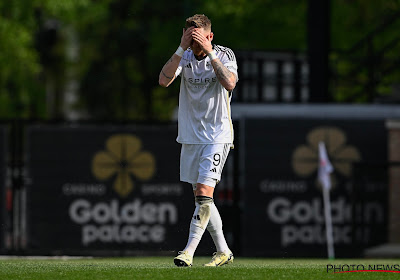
[324, 170]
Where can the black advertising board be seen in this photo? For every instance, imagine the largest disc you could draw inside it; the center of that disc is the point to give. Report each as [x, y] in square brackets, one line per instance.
[283, 212]
[106, 188]
[3, 170]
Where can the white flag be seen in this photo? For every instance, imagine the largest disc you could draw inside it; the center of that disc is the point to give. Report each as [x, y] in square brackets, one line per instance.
[324, 170]
[325, 167]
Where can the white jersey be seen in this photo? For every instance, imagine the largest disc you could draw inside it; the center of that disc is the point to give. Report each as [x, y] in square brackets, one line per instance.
[204, 104]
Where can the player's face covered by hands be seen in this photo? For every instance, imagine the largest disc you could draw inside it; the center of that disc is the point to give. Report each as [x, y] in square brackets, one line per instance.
[197, 38]
[201, 44]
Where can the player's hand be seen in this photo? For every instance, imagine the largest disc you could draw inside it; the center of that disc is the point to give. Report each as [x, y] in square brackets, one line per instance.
[186, 39]
[203, 41]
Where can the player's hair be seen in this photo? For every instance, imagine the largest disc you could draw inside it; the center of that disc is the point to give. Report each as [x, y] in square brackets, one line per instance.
[199, 21]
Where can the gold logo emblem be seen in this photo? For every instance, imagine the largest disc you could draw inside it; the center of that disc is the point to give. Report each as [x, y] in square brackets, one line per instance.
[123, 157]
[342, 156]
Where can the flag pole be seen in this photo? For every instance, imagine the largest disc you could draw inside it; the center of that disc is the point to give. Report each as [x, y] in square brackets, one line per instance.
[328, 223]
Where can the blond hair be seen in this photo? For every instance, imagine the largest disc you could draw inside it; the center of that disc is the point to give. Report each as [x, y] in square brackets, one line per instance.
[200, 21]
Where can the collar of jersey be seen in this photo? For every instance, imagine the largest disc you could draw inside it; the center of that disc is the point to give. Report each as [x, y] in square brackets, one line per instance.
[200, 59]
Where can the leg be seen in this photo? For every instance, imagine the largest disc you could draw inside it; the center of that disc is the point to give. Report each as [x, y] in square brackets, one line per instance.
[214, 226]
[204, 190]
[190, 155]
[201, 216]
[210, 160]
[198, 224]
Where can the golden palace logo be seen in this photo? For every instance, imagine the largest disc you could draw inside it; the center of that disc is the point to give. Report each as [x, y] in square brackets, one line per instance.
[342, 156]
[124, 158]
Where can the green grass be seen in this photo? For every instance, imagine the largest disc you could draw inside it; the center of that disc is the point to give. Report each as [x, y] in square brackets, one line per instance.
[163, 268]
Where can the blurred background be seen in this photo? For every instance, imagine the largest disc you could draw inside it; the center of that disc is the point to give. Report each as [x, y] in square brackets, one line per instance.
[90, 163]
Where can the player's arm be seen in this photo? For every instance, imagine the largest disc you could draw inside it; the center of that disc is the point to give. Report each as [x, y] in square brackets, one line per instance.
[224, 76]
[167, 74]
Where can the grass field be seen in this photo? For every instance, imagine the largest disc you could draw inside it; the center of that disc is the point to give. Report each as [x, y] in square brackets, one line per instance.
[163, 268]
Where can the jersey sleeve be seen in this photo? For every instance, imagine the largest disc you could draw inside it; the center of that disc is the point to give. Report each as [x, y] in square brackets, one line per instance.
[228, 59]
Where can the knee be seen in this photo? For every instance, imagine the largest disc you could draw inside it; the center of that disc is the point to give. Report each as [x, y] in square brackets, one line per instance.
[204, 190]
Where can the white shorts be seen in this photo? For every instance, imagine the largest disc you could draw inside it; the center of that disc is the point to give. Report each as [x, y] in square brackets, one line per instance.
[203, 163]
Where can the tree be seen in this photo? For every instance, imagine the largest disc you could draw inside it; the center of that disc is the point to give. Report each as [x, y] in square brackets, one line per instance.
[121, 45]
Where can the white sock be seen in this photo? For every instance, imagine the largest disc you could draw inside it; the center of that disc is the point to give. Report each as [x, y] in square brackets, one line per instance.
[215, 229]
[199, 222]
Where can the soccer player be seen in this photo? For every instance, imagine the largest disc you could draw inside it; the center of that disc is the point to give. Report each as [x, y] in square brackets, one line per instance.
[208, 76]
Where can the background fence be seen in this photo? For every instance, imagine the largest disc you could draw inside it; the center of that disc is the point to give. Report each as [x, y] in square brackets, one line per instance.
[114, 189]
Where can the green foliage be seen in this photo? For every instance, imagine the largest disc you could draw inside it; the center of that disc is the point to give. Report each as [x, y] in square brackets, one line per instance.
[18, 60]
[261, 25]
[123, 44]
[22, 89]
[365, 50]
[352, 20]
